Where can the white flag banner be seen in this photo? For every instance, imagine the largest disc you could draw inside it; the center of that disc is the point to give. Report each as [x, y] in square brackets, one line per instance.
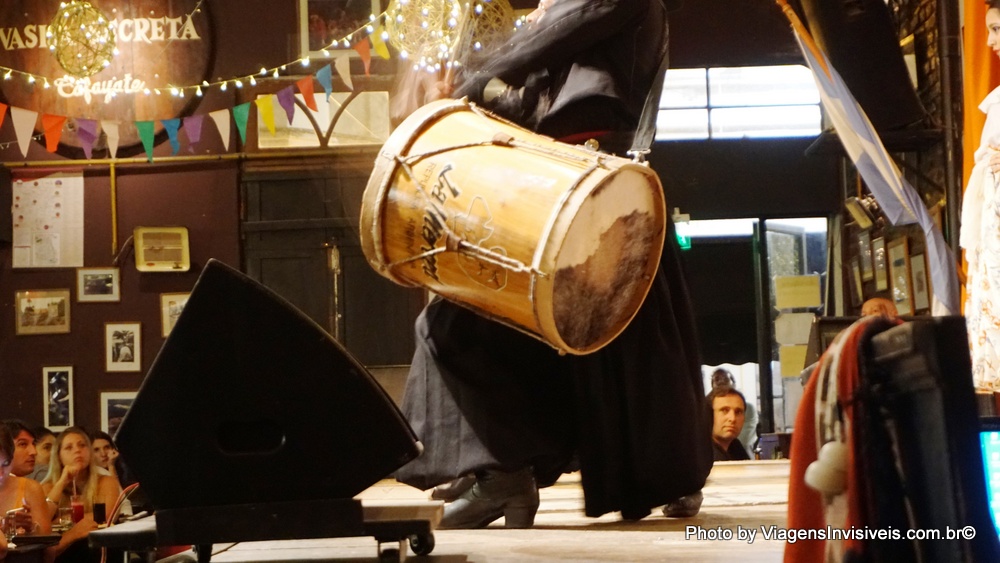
[343, 66]
[899, 201]
[24, 127]
[113, 135]
[221, 119]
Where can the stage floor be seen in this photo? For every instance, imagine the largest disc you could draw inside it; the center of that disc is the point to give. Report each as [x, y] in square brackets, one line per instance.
[750, 495]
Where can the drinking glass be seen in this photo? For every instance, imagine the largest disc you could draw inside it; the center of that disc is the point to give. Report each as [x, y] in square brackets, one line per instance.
[65, 517]
[76, 503]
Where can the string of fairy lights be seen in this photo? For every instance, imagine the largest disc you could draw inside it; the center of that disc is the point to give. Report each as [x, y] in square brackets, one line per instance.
[431, 33]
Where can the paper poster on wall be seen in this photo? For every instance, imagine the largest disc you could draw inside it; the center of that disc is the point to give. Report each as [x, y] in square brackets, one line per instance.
[797, 292]
[793, 328]
[47, 215]
[793, 360]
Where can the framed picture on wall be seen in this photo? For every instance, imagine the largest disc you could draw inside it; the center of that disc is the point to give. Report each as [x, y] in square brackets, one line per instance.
[921, 284]
[321, 22]
[899, 275]
[858, 295]
[171, 305]
[97, 284]
[114, 405]
[865, 255]
[57, 386]
[41, 311]
[123, 346]
[879, 261]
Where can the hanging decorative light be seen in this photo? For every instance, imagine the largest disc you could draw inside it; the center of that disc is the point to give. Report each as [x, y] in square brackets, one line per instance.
[433, 31]
[82, 38]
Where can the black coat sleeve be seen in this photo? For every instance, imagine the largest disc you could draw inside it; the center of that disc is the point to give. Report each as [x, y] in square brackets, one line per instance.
[568, 27]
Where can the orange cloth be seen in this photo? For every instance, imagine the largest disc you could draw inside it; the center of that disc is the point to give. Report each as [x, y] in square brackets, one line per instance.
[805, 504]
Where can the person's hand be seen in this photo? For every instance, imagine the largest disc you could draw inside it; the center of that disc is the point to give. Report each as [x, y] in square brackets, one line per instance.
[81, 529]
[112, 456]
[23, 521]
[438, 90]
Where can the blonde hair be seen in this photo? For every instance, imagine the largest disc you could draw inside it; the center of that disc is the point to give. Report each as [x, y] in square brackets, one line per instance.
[89, 491]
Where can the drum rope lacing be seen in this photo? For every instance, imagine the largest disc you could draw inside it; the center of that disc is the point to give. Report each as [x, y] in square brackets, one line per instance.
[454, 243]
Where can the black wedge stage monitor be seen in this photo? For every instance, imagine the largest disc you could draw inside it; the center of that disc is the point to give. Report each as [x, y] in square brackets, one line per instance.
[251, 402]
[989, 443]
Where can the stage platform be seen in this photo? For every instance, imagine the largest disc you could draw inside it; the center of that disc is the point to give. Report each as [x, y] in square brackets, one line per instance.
[750, 495]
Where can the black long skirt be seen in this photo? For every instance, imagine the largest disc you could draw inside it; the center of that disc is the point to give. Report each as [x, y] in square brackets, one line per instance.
[481, 395]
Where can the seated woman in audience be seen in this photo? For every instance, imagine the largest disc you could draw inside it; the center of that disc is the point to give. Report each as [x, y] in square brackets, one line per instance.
[73, 470]
[21, 493]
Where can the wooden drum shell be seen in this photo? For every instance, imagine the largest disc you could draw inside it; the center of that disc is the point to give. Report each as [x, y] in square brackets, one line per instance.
[557, 241]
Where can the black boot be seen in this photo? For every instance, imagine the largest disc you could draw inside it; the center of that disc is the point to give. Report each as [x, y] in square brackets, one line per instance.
[684, 507]
[512, 495]
[451, 490]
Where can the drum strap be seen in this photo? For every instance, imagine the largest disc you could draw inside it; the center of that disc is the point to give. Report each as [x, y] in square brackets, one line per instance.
[646, 130]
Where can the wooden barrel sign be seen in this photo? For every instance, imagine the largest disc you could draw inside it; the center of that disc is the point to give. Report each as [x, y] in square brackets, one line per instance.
[158, 44]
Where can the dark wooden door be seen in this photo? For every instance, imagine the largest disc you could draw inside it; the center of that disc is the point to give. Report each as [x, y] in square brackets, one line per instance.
[301, 240]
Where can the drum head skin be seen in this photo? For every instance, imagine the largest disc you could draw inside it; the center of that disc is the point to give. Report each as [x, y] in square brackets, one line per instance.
[607, 259]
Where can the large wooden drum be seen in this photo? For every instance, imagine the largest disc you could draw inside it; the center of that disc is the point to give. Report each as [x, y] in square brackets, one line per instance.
[558, 241]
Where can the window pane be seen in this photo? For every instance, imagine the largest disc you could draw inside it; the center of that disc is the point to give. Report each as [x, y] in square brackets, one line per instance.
[684, 88]
[781, 121]
[672, 124]
[762, 86]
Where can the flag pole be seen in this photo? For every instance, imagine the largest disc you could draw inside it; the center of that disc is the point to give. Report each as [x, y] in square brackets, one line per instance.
[800, 28]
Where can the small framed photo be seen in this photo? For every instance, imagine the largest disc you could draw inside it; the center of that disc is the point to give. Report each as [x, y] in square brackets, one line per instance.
[879, 260]
[57, 382]
[123, 346]
[42, 311]
[114, 405]
[858, 295]
[921, 283]
[899, 275]
[865, 255]
[97, 284]
[171, 305]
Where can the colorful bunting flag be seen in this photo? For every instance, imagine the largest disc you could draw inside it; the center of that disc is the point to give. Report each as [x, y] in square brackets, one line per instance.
[192, 127]
[241, 114]
[221, 119]
[111, 132]
[308, 93]
[171, 126]
[146, 129]
[265, 109]
[24, 125]
[343, 64]
[378, 44]
[52, 125]
[87, 132]
[286, 99]
[3, 113]
[325, 77]
[365, 50]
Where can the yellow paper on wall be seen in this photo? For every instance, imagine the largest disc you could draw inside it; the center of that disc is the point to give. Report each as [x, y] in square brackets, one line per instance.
[793, 360]
[794, 292]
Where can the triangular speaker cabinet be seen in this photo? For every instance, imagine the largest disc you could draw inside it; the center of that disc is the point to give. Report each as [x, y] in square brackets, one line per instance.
[250, 403]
